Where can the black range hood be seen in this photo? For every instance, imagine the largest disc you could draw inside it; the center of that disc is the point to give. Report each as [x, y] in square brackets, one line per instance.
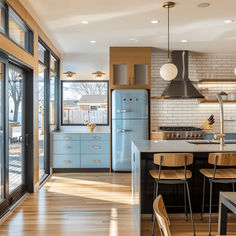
[181, 87]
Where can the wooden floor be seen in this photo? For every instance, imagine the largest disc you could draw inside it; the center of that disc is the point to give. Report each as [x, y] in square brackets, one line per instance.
[88, 204]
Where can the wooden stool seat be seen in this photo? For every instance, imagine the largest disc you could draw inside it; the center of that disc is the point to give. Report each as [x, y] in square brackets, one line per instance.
[171, 174]
[220, 173]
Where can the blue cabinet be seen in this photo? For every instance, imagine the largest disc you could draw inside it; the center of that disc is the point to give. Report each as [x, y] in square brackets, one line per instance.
[66, 161]
[94, 161]
[95, 147]
[66, 147]
[80, 150]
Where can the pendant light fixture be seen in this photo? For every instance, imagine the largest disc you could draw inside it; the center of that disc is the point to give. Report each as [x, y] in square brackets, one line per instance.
[169, 70]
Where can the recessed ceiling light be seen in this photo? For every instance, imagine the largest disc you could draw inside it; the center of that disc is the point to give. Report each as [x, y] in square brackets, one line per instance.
[92, 41]
[84, 22]
[184, 41]
[155, 21]
[203, 4]
[228, 21]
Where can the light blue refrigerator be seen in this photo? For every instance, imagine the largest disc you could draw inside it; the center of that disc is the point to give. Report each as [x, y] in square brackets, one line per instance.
[129, 122]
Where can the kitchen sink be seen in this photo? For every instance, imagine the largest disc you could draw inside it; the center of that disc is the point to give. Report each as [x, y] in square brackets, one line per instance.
[211, 142]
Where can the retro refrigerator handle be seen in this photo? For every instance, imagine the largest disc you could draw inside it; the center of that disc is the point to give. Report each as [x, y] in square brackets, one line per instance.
[124, 130]
[122, 111]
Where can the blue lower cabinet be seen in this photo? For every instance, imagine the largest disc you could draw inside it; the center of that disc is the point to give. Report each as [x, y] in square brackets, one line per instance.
[66, 161]
[66, 147]
[98, 147]
[95, 137]
[81, 150]
[95, 161]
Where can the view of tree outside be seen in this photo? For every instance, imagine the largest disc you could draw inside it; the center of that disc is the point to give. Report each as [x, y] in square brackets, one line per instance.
[15, 95]
[85, 101]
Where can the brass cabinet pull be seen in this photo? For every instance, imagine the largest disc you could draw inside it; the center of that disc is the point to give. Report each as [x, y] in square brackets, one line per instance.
[67, 161]
[96, 147]
[67, 147]
[96, 137]
[67, 138]
[96, 161]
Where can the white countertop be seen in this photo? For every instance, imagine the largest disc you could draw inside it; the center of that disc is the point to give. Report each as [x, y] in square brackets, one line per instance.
[82, 130]
[180, 146]
[79, 132]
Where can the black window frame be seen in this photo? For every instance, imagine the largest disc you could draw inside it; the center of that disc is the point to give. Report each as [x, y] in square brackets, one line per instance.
[46, 63]
[84, 81]
[9, 12]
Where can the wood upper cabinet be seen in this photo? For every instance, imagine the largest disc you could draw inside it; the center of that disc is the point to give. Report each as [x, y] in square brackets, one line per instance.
[130, 67]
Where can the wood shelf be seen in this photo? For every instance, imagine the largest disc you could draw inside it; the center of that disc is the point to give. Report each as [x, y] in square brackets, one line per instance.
[217, 81]
[215, 101]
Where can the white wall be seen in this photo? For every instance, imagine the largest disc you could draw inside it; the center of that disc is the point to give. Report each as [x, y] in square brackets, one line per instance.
[85, 65]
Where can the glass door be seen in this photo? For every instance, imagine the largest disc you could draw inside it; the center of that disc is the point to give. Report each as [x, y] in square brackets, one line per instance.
[16, 127]
[41, 120]
[15, 144]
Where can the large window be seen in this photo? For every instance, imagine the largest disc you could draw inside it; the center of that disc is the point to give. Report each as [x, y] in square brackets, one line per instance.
[2, 17]
[84, 100]
[19, 32]
[54, 68]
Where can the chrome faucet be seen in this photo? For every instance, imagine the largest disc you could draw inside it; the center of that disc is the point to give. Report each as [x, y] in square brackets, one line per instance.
[221, 135]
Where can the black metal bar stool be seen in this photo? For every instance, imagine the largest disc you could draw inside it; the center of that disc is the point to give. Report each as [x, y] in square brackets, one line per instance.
[173, 176]
[215, 175]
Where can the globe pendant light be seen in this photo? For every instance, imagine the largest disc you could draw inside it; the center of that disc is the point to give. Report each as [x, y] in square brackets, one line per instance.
[169, 70]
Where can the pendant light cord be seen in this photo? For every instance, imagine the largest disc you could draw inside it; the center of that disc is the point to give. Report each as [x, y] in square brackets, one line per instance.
[168, 33]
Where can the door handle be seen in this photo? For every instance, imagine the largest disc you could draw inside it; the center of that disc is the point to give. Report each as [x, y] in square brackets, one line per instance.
[67, 147]
[96, 137]
[96, 147]
[124, 130]
[26, 139]
[122, 111]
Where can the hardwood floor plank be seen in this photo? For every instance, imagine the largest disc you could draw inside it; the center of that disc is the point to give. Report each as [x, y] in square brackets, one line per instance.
[90, 204]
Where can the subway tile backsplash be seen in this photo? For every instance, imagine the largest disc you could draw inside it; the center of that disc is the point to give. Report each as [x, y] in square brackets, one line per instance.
[182, 112]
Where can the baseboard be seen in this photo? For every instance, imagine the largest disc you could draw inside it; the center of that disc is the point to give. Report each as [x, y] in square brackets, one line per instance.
[79, 170]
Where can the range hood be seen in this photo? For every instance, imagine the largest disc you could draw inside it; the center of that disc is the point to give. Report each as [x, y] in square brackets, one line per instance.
[181, 87]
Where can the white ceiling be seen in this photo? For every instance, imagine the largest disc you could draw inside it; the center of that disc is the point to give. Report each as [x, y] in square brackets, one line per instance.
[115, 22]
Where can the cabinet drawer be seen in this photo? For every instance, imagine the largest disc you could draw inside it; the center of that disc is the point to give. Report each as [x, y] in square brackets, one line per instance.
[66, 147]
[94, 147]
[95, 161]
[66, 161]
[66, 137]
[95, 137]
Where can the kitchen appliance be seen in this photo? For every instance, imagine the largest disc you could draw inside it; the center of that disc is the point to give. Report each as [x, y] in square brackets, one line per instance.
[129, 122]
[181, 87]
[182, 133]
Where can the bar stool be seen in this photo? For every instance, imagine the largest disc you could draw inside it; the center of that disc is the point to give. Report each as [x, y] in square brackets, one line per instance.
[174, 176]
[215, 175]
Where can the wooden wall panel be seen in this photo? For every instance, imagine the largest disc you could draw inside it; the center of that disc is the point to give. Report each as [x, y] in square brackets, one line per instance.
[32, 61]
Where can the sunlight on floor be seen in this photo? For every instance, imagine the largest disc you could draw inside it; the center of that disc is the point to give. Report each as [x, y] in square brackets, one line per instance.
[113, 222]
[83, 188]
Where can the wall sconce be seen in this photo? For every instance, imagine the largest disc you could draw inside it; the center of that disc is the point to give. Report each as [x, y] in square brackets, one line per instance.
[69, 74]
[98, 74]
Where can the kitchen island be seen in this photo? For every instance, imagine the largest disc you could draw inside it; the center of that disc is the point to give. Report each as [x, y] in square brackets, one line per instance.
[142, 183]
